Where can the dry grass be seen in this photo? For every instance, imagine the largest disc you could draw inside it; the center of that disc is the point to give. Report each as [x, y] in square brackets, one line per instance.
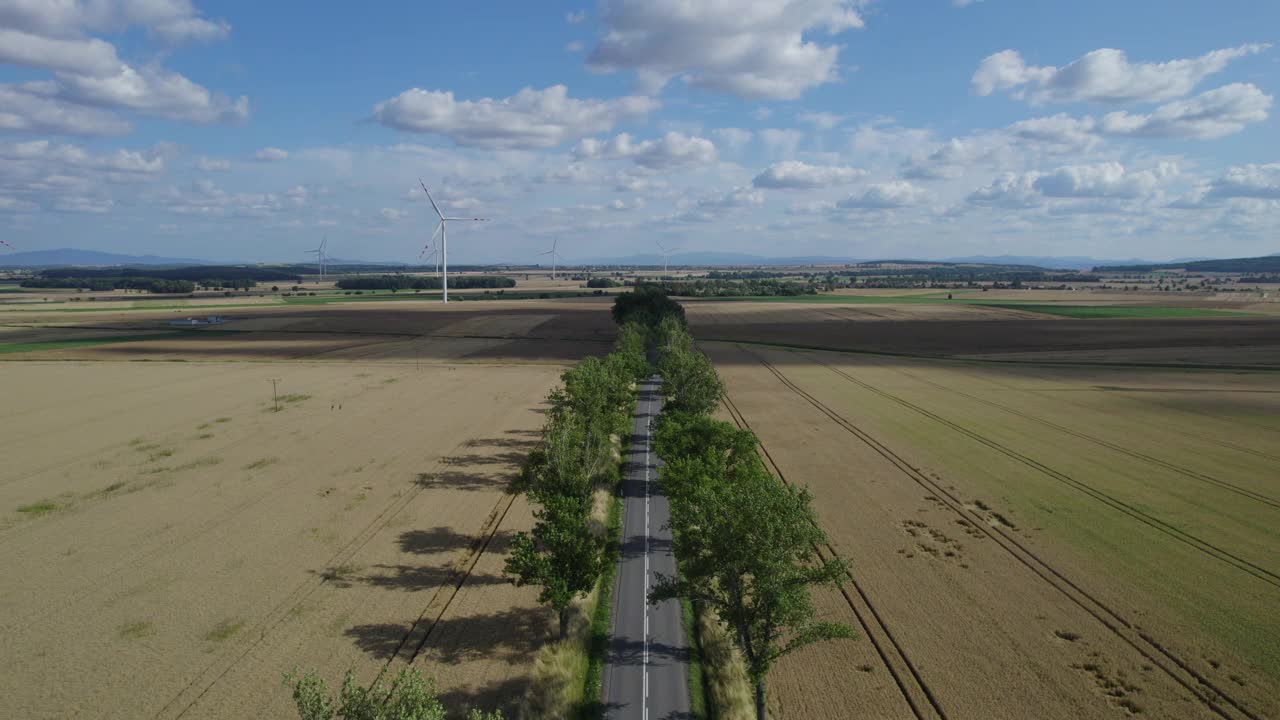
[724, 671]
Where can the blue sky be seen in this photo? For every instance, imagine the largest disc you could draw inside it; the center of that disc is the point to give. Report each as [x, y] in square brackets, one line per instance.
[859, 128]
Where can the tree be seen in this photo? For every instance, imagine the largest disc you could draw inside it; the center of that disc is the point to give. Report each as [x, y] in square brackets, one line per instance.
[560, 554]
[746, 543]
[689, 381]
[410, 697]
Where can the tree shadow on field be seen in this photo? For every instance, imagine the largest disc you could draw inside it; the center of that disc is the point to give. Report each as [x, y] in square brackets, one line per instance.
[444, 539]
[414, 578]
[512, 636]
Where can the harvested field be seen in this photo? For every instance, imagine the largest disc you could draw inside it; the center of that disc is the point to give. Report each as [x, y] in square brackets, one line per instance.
[1087, 542]
[978, 331]
[164, 525]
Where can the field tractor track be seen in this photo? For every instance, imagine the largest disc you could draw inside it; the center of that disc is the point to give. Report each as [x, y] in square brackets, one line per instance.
[1186, 472]
[1177, 668]
[1208, 548]
[919, 697]
[419, 633]
[211, 674]
[1056, 396]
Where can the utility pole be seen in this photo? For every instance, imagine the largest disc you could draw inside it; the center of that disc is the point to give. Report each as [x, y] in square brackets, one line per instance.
[275, 398]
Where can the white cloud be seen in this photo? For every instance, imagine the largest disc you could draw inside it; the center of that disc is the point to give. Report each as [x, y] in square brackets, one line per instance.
[573, 47]
[883, 196]
[209, 164]
[1103, 75]
[1103, 180]
[1261, 182]
[53, 155]
[1011, 191]
[796, 175]
[149, 90]
[529, 119]
[1213, 114]
[88, 56]
[1060, 130]
[952, 158]
[393, 215]
[575, 18]
[271, 154]
[821, 120]
[733, 138]
[750, 48]
[87, 71]
[671, 150]
[25, 112]
[174, 21]
[715, 207]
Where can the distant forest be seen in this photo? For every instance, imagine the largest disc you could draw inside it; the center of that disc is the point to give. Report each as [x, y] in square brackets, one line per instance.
[1258, 265]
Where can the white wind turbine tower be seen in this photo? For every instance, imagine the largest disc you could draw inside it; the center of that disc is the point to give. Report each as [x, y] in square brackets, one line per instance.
[444, 235]
[666, 252]
[552, 252]
[320, 256]
[433, 249]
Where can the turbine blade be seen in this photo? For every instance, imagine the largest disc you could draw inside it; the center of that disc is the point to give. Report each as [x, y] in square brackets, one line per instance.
[433, 202]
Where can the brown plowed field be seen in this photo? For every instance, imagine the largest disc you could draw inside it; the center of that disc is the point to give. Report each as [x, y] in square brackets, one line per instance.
[977, 331]
[172, 545]
[1030, 541]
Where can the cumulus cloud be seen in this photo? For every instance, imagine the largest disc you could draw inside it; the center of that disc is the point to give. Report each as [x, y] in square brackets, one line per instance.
[1104, 76]
[1261, 182]
[781, 142]
[715, 207]
[54, 155]
[749, 48]
[87, 71]
[175, 21]
[671, 150]
[271, 154]
[1103, 180]
[575, 18]
[23, 111]
[884, 196]
[1060, 130]
[1213, 114]
[1011, 191]
[953, 157]
[529, 119]
[796, 175]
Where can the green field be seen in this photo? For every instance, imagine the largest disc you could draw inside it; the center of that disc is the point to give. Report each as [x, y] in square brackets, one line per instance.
[1095, 312]
[6, 349]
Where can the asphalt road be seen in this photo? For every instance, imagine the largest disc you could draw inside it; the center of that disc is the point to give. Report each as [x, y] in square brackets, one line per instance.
[646, 672]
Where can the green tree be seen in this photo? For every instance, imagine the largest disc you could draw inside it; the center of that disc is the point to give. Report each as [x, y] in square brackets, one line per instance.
[561, 555]
[410, 697]
[689, 381]
[746, 544]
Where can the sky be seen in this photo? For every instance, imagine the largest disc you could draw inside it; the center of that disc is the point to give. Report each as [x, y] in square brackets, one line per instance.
[248, 131]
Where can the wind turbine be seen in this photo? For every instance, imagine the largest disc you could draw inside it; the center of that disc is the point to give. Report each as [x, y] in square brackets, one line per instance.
[320, 257]
[665, 253]
[444, 235]
[435, 251]
[552, 252]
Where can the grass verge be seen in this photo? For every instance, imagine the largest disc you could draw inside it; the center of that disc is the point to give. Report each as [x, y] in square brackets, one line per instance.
[697, 677]
[602, 618]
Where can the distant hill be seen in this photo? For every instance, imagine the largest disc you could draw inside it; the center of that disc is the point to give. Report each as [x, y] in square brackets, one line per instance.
[714, 258]
[90, 258]
[1265, 264]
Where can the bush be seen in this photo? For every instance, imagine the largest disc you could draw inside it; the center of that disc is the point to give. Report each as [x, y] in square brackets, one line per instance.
[410, 697]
